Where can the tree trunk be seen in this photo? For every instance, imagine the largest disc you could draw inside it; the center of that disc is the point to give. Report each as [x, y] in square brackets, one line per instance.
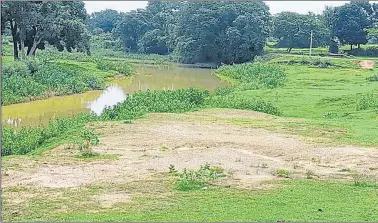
[34, 47]
[358, 46]
[14, 33]
[289, 50]
[22, 48]
[351, 46]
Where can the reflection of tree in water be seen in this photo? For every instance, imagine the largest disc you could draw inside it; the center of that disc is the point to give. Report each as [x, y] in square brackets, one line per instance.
[111, 96]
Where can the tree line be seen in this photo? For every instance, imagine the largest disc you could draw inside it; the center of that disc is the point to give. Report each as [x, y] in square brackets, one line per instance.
[195, 32]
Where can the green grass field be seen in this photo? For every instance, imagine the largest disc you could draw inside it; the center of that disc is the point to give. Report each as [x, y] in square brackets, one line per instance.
[302, 200]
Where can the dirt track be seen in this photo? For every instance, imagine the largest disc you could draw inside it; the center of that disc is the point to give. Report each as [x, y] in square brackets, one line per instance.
[149, 146]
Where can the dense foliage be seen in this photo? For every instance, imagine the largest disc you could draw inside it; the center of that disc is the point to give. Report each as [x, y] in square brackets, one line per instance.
[28, 139]
[33, 79]
[294, 30]
[33, 24]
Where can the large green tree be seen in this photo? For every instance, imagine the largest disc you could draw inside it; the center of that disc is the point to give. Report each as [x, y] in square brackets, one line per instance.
[221, 32]
[33, 24]
[294, 30]
[349, 23]
[105, 20]
[131, 28]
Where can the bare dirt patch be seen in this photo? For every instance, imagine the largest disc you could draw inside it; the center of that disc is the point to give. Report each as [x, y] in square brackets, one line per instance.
[367, 64]
[249, 155]
[106, 200]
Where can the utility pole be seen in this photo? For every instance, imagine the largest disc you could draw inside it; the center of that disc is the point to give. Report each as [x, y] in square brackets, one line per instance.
[311, 43]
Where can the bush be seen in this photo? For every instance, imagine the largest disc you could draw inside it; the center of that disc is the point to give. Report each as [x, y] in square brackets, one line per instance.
[140, 103]
[15, 69]
[373, 78]
[28, 139]
[196, 179]
[33, 65]
[65, 80]
[17, 89]
[259, 74]
[369, 52]
[237, 102]
[367, 101]
[119, 66]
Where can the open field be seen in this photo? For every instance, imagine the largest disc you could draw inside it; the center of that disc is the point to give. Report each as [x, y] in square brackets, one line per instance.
[320, 145]
[119, 184]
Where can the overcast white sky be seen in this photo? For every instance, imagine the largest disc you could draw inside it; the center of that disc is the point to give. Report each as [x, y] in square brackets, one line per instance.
[275, 6]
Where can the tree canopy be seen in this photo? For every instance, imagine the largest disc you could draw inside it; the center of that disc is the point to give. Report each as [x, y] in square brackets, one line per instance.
[105, 20]
[294, 30]
[33, 24]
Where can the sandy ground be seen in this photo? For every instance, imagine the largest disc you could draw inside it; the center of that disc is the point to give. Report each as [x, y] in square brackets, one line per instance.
[249, 156]
[367, 64]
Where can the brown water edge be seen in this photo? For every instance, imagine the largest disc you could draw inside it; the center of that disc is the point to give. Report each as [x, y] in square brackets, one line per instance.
[162, 77]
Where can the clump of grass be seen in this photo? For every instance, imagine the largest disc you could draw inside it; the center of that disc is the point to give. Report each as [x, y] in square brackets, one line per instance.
[330, 115]
[363, 180]
[257, 75]
[196, 179]
[164, 148]
[373, 78]
[367, 101]
[283, 173]
[224, 90]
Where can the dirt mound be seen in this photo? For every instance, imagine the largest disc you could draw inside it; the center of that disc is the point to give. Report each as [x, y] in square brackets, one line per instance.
[367, 64]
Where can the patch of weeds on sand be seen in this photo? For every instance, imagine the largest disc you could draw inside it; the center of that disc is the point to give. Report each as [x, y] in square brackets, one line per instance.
[363, 180]
[189, 180]
[283, 173]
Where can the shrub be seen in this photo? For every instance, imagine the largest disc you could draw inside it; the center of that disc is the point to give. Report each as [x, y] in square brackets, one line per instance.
[33, 64]
[15, 69]
[119, 66]
[234, 101]
[64, 80]
[17, 89]
[196, 179]
[283, 173]
[367, 101]
[373, 78]
[140, 103]
[28, 139]
[85, 143]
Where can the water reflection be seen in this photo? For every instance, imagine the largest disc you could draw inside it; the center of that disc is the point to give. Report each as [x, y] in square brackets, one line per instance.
[172, 77]
[110, 97]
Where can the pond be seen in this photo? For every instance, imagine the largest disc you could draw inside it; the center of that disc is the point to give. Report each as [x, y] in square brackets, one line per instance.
[148, 77]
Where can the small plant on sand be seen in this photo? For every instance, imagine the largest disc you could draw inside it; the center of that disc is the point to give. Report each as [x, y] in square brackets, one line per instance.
[197, 179]
[283, 173]
[88, 139]
[172, 170]
[310, 174]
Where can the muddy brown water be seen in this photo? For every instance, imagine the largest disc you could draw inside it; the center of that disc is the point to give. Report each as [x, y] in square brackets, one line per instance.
[148, 77]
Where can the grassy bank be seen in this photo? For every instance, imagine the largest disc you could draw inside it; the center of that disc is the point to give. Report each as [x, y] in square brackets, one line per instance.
[338, 97]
